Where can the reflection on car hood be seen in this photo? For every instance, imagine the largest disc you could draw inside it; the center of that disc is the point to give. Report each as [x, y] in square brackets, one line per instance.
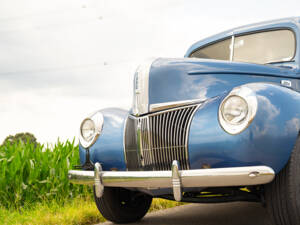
[190, 79]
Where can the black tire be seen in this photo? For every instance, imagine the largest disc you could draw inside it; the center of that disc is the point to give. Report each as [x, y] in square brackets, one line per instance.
[120, 205]
[283, 194]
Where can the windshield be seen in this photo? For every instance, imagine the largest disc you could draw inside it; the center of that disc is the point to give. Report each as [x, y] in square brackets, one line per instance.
[261, 47]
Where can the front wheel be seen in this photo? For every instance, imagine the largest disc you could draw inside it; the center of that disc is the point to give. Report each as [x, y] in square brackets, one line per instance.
[283, 194]
[120, 205]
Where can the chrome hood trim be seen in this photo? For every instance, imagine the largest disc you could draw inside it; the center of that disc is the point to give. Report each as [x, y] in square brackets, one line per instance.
[171, 105]
[141, 88]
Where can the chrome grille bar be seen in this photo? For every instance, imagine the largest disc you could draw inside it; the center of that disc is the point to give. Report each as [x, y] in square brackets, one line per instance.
[160, 137]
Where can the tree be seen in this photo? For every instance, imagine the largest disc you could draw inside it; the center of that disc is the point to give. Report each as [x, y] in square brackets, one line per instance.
[23, 137]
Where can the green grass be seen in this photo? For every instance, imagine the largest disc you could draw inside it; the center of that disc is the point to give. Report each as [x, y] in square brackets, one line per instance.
[158, 204]
[79, 211]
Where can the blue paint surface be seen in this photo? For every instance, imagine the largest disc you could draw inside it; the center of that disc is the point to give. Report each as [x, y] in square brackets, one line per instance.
[108, 149]
[269, 139]
[189, 79]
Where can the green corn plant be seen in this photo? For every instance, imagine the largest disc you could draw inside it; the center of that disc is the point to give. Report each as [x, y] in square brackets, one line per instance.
[34, 173]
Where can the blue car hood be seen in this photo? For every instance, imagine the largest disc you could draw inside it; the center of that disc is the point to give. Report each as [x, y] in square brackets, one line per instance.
[190, 79]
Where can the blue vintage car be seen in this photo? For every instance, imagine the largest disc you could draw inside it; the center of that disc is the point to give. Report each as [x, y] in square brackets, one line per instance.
[219, 125]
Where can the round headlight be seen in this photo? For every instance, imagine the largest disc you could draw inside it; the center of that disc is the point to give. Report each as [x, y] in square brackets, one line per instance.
[87, 129]
[237, 110]
[90, 129]
[234, 110]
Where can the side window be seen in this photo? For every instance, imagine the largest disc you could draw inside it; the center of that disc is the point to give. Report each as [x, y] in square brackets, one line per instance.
[219, 50]
[265, 47]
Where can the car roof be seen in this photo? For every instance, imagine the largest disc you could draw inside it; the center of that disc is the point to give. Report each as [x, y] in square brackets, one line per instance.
[291, 22]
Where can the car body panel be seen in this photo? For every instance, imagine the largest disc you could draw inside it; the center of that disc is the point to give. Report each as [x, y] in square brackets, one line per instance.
[108, 149]
[268, 140]
[188, 79]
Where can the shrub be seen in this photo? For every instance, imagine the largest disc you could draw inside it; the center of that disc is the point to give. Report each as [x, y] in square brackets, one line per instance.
[21, 137]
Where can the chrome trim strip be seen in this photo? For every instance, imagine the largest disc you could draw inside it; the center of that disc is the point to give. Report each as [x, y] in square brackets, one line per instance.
[156, 153]
[220, 177]
[139, 140]
[150, 141]
[171, 132]
[124, 148]
[182, 138]
[163, 137]
[188, 132]
[159, 128]
[144, 142]
[178, 122]
[232, 48]
[168, 105]
[173, 109]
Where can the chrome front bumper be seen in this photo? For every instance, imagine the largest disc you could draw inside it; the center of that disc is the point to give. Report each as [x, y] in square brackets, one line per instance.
[176, 179]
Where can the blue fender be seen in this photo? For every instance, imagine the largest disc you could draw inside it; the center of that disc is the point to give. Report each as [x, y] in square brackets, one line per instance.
[108, 149]
[269, 140]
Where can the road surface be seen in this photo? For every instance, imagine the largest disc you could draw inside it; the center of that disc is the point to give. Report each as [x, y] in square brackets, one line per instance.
[208, 214]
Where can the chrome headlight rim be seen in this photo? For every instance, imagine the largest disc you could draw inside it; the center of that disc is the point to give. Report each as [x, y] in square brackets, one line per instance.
[249, 96]
[98, 120]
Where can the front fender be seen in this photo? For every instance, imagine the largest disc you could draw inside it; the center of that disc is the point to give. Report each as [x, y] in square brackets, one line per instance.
[108, 149]
[269, 140]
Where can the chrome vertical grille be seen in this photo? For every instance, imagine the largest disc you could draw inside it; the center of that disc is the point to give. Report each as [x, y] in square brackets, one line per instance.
[152, 142]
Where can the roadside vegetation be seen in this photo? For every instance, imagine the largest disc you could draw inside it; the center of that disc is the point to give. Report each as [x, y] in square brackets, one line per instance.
[79, 211]
[34, 188]
[33, 173]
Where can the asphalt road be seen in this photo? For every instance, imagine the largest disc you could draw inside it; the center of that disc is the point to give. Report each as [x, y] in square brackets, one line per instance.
[208, 214]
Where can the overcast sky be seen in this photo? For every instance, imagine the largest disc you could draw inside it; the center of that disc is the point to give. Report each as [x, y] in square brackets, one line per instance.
[60, 60]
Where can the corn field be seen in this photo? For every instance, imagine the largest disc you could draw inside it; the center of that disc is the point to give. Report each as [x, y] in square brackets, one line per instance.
[32, 173]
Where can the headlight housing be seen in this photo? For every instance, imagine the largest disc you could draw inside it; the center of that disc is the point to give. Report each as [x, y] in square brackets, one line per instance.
[90, 129]
[237, 110]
